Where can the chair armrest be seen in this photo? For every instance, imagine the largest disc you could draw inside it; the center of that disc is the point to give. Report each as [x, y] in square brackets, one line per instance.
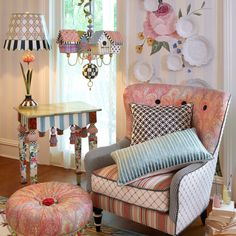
[190, 192]
[101, 157]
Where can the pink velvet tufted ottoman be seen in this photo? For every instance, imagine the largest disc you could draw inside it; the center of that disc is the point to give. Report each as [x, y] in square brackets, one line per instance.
[48, 209]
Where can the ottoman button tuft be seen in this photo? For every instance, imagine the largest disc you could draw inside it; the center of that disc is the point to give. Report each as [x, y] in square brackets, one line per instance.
[49, 201]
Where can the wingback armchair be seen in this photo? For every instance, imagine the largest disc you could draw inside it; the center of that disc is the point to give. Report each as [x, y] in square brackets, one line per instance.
[168, 202]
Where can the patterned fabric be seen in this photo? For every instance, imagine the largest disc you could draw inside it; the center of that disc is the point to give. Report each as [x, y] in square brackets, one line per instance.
[171, 150]
[208, 110]
[174, 190]
[68, 36]
[152, 122]
[27, 31]
[115, 49]
[61, 122]
[88, 230]
[27, 216]
[151, 218]
[151, 192]
[22, 152]
[194, 194]
[90, 71]
[114, 37]
[100, 157]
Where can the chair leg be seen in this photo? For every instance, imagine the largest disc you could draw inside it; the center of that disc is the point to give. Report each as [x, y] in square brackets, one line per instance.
[97, 214]
[204, 216]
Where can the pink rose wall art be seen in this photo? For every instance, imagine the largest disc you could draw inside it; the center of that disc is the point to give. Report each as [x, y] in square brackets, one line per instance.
[163, 26]
[160, 22]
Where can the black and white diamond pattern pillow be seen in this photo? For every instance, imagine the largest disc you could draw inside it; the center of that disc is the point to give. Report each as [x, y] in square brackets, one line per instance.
[152, 122]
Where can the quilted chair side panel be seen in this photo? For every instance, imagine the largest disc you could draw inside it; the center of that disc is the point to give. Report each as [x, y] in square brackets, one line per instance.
[208, 112]
[154, 219]
[194, 194]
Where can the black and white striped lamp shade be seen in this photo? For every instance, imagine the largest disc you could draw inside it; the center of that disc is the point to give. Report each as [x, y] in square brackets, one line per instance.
[27, 31]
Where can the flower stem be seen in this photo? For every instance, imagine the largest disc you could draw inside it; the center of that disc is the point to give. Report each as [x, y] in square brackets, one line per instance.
[198, 10]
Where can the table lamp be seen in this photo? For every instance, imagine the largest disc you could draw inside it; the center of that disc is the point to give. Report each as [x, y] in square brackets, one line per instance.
[28, 32]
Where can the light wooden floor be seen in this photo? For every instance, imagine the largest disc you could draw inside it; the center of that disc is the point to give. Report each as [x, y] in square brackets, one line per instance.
[10, 182]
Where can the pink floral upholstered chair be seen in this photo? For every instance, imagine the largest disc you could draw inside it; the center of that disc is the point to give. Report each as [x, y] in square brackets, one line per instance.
[168, 202]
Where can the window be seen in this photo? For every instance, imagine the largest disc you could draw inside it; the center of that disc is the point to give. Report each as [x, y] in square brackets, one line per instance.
[70, 83]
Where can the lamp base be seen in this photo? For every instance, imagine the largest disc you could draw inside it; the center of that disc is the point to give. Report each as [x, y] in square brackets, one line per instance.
[28, 102]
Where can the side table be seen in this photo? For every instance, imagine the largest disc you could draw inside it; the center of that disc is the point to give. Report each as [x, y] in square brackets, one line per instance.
[79, 116]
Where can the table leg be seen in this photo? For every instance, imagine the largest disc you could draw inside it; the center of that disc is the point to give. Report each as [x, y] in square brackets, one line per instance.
[33, 150]
[22, 153]
[78, 148]
[92, 136]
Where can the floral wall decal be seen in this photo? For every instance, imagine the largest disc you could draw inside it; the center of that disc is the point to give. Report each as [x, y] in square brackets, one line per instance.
[177, 33]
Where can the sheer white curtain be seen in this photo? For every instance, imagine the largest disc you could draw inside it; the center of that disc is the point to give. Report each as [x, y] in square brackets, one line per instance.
[68, 84]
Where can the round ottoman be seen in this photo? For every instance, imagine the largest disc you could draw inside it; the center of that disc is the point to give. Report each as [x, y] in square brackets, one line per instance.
[48, 209]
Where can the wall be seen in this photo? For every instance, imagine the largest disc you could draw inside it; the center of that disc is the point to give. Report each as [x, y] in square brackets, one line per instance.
[132, 22]
[12, 90]
[229, 47]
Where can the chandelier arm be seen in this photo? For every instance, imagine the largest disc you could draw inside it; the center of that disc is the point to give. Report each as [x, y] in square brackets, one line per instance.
[97, 61]
[72, 64]
[109, 62]
[81, 56]
[80, 59]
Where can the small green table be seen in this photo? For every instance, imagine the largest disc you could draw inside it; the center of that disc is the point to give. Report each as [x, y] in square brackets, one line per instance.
[79, 116]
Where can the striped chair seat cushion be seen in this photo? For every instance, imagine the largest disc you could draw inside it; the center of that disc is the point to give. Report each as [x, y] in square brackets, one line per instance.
[150, 192]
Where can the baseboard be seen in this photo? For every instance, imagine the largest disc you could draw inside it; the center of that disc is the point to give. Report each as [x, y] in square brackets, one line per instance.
[9, 148]
[8, 156]
[8, 142]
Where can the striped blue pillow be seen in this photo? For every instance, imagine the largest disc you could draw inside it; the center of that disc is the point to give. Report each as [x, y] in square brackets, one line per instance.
[172, 150]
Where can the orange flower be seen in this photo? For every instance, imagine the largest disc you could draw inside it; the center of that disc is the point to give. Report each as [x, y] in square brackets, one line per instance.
[139, 48]
[141, 35]
[150, 41]
[28, 57]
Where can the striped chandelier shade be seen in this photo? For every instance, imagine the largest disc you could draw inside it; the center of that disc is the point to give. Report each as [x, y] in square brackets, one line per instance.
[27, 31]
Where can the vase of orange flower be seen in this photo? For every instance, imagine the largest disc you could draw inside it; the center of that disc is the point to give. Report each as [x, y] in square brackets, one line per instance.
[27, 75]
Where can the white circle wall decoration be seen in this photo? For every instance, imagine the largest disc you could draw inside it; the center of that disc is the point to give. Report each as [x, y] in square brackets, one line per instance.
[174, 62]
[143, 71]
[186, 27]
[197, 50]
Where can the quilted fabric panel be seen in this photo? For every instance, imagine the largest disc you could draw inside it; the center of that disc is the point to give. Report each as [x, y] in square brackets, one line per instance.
[151, 192]
[151, 218]
[194, 194]
[151, 122]
[208, 110]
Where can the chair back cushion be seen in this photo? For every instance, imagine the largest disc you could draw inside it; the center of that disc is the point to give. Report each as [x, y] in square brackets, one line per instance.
[153, 122]
[209, 109]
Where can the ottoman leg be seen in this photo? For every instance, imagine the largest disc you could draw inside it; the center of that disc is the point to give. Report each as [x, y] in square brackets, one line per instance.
[97, 214]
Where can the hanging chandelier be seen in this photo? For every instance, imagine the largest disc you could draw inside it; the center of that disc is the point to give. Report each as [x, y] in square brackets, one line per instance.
[97, 48]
